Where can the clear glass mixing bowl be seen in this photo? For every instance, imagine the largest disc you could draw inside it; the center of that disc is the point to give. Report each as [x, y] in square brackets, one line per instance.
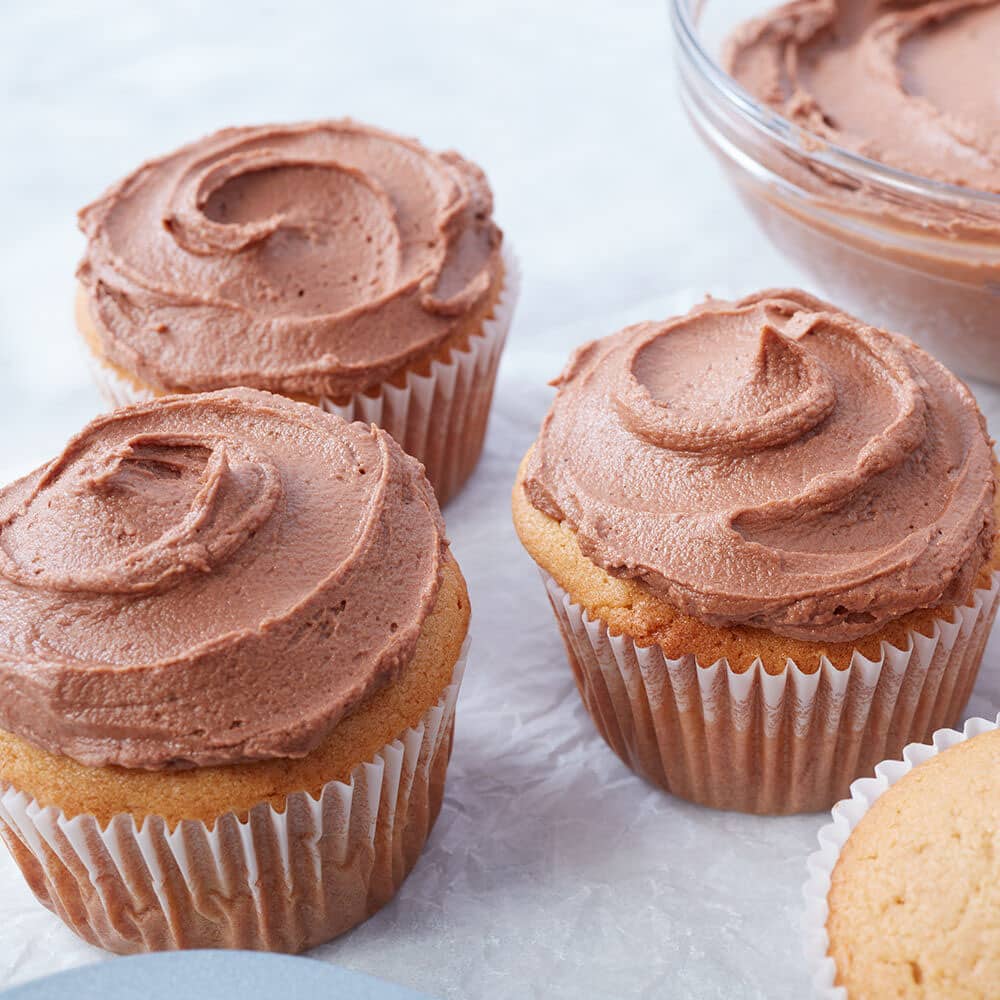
[898, 250]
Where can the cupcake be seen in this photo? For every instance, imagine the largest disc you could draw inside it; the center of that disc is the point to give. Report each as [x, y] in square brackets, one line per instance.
[767, 532]
[904, 895]
[231, 638]
[331, 262]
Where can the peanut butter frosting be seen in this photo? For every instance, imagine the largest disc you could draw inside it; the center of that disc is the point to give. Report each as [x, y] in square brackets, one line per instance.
[312, 259]
[910, 84]
[771, 462]
[210, 579]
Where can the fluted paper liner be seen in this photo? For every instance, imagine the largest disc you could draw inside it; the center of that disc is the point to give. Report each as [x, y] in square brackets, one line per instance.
[439, 418]
[770, 743]
[845, 817]
[274, 881]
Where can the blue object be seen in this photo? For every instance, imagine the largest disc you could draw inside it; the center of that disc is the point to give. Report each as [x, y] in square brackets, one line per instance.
[210, 975]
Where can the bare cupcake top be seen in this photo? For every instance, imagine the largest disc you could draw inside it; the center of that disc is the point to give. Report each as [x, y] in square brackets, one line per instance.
[771, 462]
[910, 84]
[914, 896]
[209, 579]
[315, 259]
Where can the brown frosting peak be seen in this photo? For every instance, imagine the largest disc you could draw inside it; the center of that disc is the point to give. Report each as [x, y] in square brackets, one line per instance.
[770, 396]
[771, 462]
[316, 259]
[210, 579]
[140, 516]
[910, 84]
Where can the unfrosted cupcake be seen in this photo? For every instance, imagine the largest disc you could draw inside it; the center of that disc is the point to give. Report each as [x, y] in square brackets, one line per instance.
[329, 261]
[904, 895]
[768, 535]
[231, 638]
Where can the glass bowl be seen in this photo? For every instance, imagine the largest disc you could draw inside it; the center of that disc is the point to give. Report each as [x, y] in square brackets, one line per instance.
[898, 250]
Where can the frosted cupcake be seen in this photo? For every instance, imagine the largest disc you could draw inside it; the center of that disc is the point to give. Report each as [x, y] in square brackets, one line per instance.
[904, 894]
[231, 637]
[767, 531]
[329, 261]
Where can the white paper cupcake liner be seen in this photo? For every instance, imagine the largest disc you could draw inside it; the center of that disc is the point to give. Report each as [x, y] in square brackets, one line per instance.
[770, 743]
[274, 881]
[114, 389]
[832, 838]
[439, 418]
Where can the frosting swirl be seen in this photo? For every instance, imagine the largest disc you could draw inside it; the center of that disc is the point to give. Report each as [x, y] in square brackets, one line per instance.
[771, 462]
[307, 259]
[910, 84]
[210, 579]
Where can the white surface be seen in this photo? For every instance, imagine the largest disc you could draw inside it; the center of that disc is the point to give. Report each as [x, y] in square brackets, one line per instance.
[553, 871]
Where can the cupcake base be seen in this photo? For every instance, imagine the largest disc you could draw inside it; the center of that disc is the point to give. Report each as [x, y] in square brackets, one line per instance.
[770, 743]
[438, 416]
[271, 880]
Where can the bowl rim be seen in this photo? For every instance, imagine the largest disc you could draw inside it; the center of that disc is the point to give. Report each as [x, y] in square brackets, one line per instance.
[684, 16]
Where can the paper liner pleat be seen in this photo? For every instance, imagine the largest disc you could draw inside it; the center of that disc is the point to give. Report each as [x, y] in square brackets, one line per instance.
[770, 743]
[845, 817]
[439, 418]
[270, 880]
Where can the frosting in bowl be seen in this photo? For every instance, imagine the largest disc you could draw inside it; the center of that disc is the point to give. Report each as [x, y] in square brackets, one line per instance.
[313, 259]
[912, 85]
[210, 579]
[771, 462]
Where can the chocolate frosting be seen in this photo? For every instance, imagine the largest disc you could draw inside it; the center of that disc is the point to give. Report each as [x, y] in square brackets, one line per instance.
[210, 579]
[311, 259]
[911, 84]
[771, 462]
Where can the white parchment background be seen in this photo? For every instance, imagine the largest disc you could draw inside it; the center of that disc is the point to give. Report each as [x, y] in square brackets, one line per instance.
[552, 872]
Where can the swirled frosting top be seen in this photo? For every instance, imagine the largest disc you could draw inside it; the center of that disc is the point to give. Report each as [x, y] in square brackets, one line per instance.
[210, 579]
[912, 84]
[771, 462]
[307, 259]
